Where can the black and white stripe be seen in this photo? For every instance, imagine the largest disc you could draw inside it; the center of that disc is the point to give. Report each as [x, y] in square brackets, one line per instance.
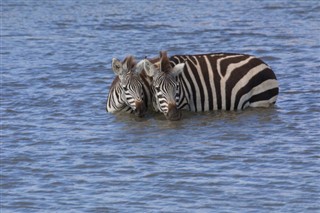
[217, 81]
[115, 101]
[130, 90]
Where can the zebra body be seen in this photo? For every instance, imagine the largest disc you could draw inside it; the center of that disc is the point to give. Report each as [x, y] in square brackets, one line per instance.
[218, 81]
[130, 90]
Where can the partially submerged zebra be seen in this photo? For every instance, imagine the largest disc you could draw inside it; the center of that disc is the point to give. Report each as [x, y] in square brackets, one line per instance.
[130, 90]
[211, 82]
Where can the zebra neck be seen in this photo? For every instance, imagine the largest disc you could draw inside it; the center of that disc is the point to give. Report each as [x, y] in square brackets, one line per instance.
[183, 95]
[115, 102]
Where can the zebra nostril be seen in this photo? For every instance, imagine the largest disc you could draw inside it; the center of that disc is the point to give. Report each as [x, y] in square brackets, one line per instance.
[173, 113]
[140, 108]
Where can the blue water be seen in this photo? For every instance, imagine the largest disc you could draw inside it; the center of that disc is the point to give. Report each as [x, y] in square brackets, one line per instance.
[61, 152]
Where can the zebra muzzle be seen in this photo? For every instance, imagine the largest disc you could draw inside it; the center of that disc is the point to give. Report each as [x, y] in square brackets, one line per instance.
[173, 113]
[140, 109]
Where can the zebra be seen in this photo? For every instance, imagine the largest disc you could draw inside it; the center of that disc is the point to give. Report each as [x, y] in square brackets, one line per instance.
[208, 82]
[130, 90]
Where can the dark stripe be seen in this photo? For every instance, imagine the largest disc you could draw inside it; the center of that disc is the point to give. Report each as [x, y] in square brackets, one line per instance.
[226, 62]
[145, 97]
[217, 78]
[266, 95]
[205, 73]
[188, 78]
[162, 102]
[236, 76]
[183, 105]
[186, 92]
[196, 74]
[207, 81]
[129, 109]
[118, 93]
[175, 60]
[130, 99]
[259, 78]
[146, 91]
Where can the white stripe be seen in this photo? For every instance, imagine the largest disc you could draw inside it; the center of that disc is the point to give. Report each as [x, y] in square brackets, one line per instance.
[265, 103]
[189, 99]
[211, 80]
[264, 86]
[244, 80]
[183, 99]
[224, 78]
[193, 81]
[203, 85]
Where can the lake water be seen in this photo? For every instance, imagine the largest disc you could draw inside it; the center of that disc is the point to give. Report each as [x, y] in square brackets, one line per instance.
[61, 151]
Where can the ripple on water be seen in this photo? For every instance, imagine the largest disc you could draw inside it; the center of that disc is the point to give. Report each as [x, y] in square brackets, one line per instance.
[61, 152]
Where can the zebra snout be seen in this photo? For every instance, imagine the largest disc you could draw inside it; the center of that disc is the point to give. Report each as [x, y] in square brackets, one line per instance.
[173, 113]
[140, 109]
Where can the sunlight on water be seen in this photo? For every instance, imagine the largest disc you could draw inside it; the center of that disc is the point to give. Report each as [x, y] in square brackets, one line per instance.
[61, 152]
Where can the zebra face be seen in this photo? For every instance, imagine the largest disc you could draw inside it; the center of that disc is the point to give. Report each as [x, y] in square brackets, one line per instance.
[131, 85]
[167, 95]
[132, 93]
[166, 86]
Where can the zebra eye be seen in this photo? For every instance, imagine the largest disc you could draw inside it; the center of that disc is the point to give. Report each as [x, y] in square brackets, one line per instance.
[157, 88]
[125, 87]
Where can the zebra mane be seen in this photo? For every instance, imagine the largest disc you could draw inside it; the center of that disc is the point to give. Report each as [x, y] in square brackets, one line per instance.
[130, 62]
[165, 65]
[155, 60]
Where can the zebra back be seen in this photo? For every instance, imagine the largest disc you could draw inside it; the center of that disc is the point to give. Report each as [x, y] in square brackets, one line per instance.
[226, 81]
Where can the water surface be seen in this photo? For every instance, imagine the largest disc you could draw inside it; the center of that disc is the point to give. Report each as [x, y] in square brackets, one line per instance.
[61, 152]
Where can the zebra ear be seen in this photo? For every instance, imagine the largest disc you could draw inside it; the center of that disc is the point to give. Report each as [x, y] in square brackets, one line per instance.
[149, 68]
[117, 67]
[140, 66]
[177, 69]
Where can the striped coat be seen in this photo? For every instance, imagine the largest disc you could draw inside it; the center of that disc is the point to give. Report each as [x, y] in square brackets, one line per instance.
[130, 90]
[213, 81]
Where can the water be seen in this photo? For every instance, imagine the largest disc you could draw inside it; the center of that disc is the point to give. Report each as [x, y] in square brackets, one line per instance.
[61, 152]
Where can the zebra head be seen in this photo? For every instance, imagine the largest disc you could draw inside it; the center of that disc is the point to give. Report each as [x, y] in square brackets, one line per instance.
[131, 86]
[165, 85]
